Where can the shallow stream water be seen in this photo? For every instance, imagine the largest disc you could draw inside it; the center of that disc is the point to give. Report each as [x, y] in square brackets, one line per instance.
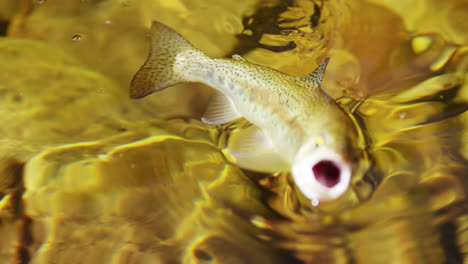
[88, 175]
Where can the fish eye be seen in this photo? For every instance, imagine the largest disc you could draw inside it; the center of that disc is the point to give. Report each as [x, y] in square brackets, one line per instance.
[327, 173]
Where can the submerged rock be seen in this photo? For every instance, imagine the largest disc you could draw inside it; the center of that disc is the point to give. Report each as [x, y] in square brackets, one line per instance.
[138, 199]
[48, 98]
[8, 9]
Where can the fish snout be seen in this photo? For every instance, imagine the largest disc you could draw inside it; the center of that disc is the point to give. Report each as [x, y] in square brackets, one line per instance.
[321, 174]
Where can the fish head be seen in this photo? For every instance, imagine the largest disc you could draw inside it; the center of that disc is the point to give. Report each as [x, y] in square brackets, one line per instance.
[321, 172]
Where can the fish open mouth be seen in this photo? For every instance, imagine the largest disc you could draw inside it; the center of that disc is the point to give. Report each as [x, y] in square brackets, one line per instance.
[321, 174]
[327, 173]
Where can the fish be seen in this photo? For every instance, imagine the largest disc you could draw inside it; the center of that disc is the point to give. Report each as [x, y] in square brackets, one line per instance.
[296, 127]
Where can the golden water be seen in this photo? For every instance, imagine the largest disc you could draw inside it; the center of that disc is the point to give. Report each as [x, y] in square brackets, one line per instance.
[89, 176]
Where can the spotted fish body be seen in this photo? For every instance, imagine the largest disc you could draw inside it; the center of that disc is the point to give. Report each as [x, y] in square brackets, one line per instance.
[296, 126]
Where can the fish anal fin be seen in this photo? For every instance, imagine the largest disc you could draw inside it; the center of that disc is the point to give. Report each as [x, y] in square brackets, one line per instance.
[220, 110]
[252, 149]
[315, 78]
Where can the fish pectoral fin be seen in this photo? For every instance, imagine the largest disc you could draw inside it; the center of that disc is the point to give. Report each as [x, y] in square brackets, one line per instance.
[220, 110]
[315, 78]
[252, 149]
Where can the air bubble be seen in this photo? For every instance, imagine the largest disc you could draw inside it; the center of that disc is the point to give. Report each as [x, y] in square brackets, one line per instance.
[315, 202]
[76, 38]
[402, 116]
[40, 2]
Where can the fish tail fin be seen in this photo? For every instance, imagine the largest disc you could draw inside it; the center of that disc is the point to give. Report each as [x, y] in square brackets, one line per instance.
[160, 71]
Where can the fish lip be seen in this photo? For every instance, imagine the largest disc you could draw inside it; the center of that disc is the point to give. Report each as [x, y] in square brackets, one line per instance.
[306, 181]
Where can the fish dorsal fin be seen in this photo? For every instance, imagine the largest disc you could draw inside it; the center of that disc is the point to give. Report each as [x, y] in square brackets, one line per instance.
[237, 57]
[220, 110]
[252, 149]
[315, 78]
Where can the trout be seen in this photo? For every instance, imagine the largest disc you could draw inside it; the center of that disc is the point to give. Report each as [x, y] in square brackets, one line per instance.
[296, 126]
